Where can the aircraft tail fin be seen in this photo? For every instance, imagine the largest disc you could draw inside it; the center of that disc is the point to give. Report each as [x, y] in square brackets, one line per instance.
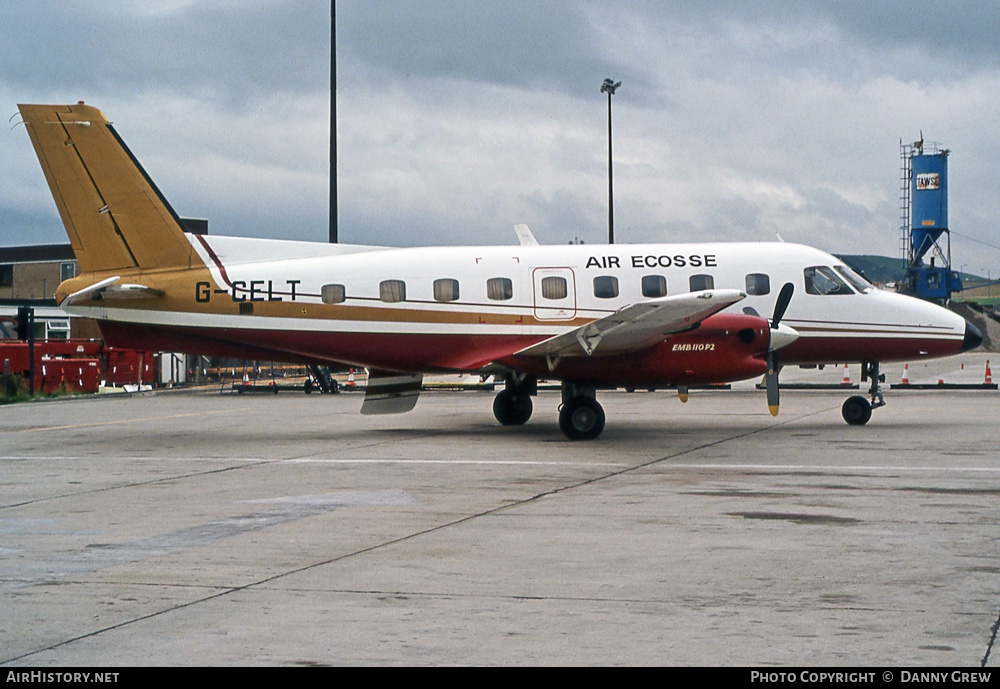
[116, 218]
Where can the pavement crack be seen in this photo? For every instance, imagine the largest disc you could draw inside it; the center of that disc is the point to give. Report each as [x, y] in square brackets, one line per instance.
[993, 638]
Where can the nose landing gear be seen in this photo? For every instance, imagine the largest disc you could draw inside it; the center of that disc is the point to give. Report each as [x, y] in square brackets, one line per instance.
[857, 410]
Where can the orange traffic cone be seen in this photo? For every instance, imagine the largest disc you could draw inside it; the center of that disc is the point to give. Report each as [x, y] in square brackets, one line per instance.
[350, 379]
[847, 376]
[906, 375]
[989, 374]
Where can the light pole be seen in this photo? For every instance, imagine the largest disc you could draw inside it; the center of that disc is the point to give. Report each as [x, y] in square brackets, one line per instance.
[333, 124]
[609, 87]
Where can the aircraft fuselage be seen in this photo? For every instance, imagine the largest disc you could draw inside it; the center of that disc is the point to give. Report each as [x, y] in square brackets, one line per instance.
[460, 308]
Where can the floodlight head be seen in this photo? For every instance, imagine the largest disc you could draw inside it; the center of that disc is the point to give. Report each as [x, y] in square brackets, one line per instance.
[609, 86]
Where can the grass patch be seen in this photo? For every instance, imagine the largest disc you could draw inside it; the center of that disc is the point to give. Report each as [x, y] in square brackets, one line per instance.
[13, 390]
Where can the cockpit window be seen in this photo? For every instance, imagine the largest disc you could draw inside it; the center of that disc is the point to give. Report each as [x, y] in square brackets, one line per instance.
[823, 280]
[857, 282]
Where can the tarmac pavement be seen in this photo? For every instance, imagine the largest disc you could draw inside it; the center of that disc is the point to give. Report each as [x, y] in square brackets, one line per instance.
[189, 528]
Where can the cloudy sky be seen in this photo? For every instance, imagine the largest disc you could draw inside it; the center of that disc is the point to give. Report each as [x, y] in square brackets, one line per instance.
[459, 118]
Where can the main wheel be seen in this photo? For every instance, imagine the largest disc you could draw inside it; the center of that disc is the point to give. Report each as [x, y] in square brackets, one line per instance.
[857, 410]
[581, 418]
[512, 409]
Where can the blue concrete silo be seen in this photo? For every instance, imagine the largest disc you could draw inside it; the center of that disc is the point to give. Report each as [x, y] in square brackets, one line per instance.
[929, 273]
[929, 211]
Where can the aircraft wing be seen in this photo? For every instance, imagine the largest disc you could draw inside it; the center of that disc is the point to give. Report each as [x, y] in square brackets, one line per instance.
[638, 326]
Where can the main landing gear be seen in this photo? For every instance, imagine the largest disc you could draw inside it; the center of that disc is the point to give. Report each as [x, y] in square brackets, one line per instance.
[857, 410]
[581, 417]
[512, 407]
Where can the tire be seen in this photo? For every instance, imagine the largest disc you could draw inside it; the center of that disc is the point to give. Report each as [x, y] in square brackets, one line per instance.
[856, 411]
[581, 418]
[512, 409]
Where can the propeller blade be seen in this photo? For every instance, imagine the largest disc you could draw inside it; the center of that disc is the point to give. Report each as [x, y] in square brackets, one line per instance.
[781, 336]
[771, 382]
[784, 296]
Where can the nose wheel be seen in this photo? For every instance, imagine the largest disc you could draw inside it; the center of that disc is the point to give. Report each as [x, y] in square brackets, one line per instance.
[857, 411]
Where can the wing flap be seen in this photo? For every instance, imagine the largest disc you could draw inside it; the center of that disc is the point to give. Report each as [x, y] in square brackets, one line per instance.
[638, 326]
[388, 392]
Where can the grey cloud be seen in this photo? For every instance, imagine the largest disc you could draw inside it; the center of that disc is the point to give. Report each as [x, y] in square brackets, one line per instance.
[459, 118]
[548, 45]
[230, 51]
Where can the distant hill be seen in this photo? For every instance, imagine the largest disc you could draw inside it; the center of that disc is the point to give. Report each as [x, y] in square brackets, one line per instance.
[880, 269]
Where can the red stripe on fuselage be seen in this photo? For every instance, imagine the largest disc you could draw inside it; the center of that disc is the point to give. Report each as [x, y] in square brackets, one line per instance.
[215, 259]
[728, 359]
[833, 350]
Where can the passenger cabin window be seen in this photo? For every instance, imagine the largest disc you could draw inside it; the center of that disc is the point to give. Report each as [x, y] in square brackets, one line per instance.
[758, 283]
[499, 289]
[701, 282]
[392, 290]
[554, 288]
[823, 280]
[605, 287]
[333, 294]
[446, 289]
[654, 286]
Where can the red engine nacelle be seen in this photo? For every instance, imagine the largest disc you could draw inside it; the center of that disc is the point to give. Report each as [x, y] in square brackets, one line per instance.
[722, 348]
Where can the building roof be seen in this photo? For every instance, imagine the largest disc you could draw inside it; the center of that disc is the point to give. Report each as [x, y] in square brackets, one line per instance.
[36, 253]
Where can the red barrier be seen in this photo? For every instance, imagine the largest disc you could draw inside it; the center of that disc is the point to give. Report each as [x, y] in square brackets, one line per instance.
[77, 365]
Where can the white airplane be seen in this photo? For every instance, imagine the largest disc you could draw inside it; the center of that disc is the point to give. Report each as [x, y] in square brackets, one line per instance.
[593, 317]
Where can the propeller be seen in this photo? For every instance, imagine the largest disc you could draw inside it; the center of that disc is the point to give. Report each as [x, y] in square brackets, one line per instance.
[781, 336]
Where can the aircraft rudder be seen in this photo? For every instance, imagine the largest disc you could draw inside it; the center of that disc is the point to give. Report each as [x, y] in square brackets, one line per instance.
[115, 216]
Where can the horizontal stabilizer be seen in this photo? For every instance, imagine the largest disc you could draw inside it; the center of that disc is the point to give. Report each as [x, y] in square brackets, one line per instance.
[131, 291]
[107, 289]
[637, 327]
[390, 393]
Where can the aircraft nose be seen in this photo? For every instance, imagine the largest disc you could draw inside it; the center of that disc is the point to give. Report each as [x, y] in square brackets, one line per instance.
[973, 338]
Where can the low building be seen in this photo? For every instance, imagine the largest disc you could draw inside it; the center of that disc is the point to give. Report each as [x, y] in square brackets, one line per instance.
[29, 275]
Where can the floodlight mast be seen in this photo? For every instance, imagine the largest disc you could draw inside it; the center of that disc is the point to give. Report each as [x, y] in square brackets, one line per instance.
[609, 87]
